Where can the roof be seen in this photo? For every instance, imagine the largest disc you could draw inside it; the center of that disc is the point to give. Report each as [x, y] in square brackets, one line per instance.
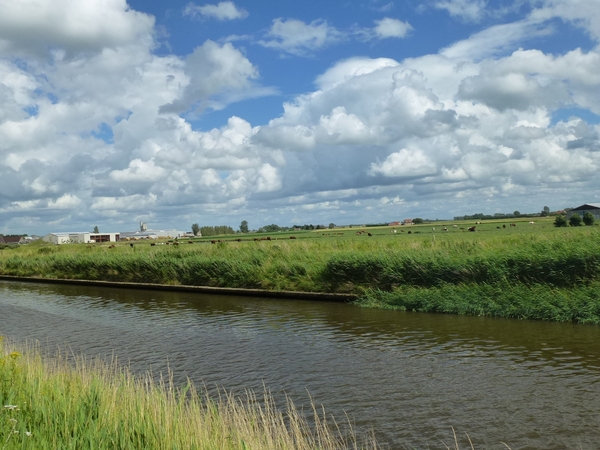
[11, 239]
[586, 206]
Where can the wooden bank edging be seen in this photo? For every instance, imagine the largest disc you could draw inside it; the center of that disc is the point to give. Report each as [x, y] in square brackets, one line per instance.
[297, 295]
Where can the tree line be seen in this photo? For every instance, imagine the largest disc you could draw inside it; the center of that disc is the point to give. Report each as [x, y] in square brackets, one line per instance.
[211, 231]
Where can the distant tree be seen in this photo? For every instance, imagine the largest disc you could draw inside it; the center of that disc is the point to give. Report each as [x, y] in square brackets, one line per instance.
[96, 230]
[516, 214]
[561, 221]
[195, 229]
[588, 218]
[417, 220]
[331, 226]
[244, 226]
[575, 220]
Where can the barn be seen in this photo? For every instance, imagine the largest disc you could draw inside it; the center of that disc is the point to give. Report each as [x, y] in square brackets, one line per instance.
[594, 209]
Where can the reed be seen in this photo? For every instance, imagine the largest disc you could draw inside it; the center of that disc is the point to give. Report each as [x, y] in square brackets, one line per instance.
[64, 402]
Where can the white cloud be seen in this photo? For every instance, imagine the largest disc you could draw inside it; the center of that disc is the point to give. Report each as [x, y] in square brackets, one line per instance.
[296, 37]
[220, 11]
[216, 76]
[33, 27]
[391, 28]
[468, 10]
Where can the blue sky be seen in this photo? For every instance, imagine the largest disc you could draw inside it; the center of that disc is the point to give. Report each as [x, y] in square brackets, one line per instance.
[179, 112]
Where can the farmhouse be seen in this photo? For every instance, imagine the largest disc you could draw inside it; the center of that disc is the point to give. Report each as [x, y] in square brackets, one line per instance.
[80, 237]
[588, 207]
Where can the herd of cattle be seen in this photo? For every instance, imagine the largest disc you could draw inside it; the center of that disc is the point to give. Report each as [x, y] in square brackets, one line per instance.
[472, 228]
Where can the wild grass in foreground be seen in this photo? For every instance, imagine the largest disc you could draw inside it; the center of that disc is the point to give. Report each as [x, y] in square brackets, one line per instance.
[73, 404]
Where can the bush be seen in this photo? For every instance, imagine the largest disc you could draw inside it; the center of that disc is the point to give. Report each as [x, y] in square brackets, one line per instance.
[575, 220]
[588, 218]
[560, 221]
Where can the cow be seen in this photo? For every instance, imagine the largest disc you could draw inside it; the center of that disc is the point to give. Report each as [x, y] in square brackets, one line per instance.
[369, 234]
[292, 237]
[473, 228]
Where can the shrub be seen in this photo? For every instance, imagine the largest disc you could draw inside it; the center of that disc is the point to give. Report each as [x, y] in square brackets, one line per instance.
[560, 221]
[588, 218]
[575, 220]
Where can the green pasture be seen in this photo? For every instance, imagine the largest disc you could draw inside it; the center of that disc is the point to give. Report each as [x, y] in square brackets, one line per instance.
[419, 267]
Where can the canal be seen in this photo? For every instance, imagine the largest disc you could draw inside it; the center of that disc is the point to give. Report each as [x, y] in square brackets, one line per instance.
[411, 377]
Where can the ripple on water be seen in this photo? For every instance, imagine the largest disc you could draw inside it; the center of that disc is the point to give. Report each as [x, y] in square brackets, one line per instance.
[410, 376]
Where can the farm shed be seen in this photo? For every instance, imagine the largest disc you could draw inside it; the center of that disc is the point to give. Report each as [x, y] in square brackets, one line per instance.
[588, 207]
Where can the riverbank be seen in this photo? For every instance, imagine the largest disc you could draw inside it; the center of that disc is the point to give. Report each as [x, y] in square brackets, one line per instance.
[65, 402]
[539, 272]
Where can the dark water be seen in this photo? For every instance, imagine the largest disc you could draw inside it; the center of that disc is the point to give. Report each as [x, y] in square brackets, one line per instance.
[411, 377]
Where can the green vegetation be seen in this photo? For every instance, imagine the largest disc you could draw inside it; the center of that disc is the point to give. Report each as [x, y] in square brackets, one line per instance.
[530, 270]
[60, 403]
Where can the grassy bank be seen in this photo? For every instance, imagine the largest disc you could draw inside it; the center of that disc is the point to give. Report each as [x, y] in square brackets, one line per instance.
[57, 403]
[529, 271]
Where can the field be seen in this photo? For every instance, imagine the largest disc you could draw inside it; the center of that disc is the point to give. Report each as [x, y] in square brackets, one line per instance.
[530, 270]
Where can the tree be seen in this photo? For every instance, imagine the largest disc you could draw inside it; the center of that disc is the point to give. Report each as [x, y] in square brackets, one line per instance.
[195, 229]
[96, 230]
[331, 226]
[516, 214]
[575, 220]
[244, 226]
[588, 218]
[560, 221]
[545, 212]
[417, 220]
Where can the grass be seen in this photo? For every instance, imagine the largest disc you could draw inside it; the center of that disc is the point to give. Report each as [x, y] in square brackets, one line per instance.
[71, 403]
[533, 271]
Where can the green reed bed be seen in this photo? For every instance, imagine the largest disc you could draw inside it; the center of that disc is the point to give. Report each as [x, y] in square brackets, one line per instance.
[424, 272]
[67, 403]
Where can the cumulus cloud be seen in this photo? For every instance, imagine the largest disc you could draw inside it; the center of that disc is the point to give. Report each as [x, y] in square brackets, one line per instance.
[221, 11]
[296, 37]
[216, 76]
[34, 27]
[101, 129]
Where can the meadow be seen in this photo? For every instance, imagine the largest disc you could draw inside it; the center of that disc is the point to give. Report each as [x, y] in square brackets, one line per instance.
[527, 271]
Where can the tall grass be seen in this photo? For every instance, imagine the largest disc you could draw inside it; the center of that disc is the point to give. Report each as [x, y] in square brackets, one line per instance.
[405, 271]
[72, 403]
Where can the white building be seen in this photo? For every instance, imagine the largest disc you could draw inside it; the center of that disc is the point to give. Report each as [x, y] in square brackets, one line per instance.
[80, 237]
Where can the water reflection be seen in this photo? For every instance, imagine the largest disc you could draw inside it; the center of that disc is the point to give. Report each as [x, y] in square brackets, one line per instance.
[410, 376]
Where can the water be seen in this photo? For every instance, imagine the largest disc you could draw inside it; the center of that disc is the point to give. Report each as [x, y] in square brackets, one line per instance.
[411, 377]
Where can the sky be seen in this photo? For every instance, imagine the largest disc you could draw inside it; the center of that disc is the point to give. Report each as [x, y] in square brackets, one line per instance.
[293, 112]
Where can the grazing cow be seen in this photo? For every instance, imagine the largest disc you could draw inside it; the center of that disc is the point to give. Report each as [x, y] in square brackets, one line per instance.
[444, 229]
[401, 231]
[454, 226]
[369, 234]
[256, 239]
[499, 228]
[473, 228]
[152, 244]
[176, 243]
[504, 226]
[531, 223]
[292, 237]
[190, 242]
[111, 246]
[213, 242]
[409, 232]
[513, 224]
[239, 240]
[268, 238]
[131, 245]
